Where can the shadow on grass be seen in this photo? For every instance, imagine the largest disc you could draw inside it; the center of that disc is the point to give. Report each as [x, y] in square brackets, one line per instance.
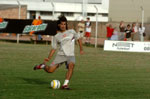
[35, 81]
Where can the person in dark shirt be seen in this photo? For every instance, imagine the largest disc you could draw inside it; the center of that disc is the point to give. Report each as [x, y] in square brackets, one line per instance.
[128, 32]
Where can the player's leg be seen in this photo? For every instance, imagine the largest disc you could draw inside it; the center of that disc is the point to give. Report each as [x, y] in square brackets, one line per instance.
[70, 66]
[49, 69]
[81, 37]
[89, 37]
[68, 75]
[58, 60]
[70, 71]
[86, 38]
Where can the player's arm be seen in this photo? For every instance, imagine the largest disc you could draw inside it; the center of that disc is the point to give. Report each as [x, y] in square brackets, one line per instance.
[77, 37]
[52, 52]
[80, 45]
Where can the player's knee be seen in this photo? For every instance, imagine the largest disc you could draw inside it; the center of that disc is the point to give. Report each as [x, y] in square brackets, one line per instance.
[50, 71]
[71, 66]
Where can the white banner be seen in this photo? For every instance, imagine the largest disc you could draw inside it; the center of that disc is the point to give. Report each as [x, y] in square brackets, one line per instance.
[127, 46]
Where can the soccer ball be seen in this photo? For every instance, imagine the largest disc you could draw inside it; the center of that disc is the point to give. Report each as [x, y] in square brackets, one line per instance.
[55, 84]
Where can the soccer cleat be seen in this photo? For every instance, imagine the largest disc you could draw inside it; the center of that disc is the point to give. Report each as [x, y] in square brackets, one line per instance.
[40, 66]
[65, 87]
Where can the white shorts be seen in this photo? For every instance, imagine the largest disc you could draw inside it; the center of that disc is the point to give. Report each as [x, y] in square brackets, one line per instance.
[81, 35]
[60, 59]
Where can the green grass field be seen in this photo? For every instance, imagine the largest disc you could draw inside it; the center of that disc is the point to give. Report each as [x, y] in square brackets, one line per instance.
[98, 74]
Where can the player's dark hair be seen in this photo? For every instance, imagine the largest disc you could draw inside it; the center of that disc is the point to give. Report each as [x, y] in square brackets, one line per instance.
[62, 18]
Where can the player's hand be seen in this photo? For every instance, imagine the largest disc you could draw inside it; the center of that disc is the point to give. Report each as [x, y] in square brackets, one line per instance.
[81, 52]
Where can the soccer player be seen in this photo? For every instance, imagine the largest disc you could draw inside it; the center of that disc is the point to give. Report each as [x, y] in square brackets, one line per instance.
[66, 39]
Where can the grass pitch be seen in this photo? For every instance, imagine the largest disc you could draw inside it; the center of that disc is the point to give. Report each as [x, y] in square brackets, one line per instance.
[97, 75]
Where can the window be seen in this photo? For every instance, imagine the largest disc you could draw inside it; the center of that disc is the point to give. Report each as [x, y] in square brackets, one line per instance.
[105, 14]
[91, 14]
[46, 13]
[67, 13]
[32, 14]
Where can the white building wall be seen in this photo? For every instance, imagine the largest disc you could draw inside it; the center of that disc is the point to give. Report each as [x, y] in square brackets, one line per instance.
[76, 8]
[28, 14]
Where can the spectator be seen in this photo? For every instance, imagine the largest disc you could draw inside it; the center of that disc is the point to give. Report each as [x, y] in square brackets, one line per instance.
[88, 31]
[122, 27]
[1, 20]
[128, 32]
[39, 22]
[134, 31]
[141, 32]
[122, 30]
[81, 28]
[36, 22]
[110, 31]
[115, 35]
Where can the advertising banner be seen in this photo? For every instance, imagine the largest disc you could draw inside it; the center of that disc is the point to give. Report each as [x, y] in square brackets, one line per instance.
[127, 46]
[20, 26]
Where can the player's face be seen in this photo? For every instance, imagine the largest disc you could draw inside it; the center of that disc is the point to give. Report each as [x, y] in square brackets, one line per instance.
[62, 26]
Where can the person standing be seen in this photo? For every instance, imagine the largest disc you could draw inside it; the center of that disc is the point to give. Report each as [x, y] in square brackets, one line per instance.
[110, 31]
[122, 30]
[115, 35]
[66, 40]
[36, 22]
[88, 31]
[32, 33]
[39, 37]
[1, 20]
[141, 32]
[81, 28]
[134, 31]
[128, 32]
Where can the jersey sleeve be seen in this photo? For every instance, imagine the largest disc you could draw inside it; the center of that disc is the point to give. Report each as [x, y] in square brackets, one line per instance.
[54, 43]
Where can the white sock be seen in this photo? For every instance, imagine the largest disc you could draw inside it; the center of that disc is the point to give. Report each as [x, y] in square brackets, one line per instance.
[42, 66]
[66, 82]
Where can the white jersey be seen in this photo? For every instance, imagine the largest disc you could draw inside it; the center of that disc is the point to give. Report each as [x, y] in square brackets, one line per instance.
[135, 29]
[88, 26]
[66, 40]
[141, 30]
